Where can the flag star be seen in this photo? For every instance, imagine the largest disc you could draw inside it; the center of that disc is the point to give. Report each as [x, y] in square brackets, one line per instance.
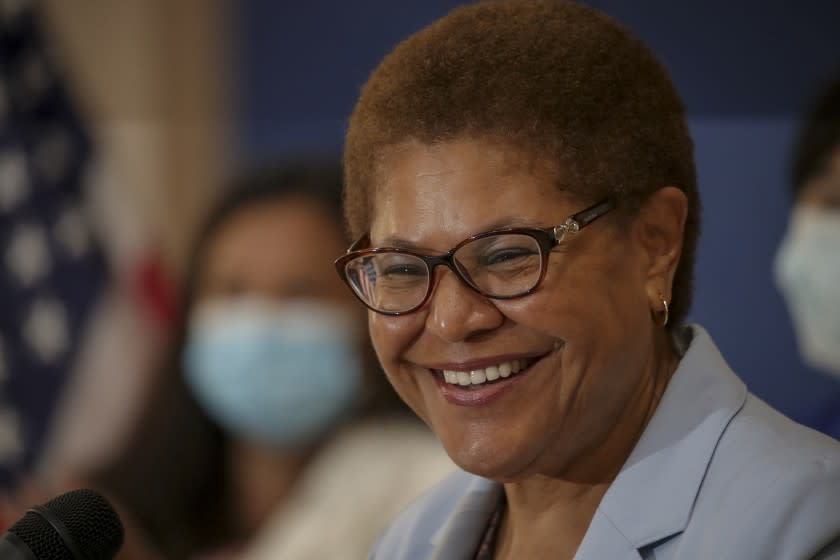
[71, 230]
[53, 155]
[14, 180]
[11, 442]
[45, 330]
[27, 256]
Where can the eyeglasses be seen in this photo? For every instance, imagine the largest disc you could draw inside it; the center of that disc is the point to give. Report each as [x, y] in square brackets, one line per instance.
[499, 264]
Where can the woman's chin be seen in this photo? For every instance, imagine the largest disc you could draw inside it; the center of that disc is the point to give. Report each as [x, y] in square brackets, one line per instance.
[489, 461]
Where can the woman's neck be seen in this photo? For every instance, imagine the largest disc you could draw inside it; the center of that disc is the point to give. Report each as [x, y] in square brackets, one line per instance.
[547, 516]
[261, 480]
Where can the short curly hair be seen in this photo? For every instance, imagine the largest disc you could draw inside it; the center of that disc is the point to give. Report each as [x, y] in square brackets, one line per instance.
[561, 80]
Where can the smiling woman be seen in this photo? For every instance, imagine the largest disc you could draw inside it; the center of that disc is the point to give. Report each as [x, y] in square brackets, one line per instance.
[520, 181]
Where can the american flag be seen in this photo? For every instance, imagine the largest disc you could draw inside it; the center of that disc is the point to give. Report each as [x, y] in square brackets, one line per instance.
[51, 268]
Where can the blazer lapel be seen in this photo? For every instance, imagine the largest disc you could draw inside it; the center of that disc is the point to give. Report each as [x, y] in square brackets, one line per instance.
[652, 498]
[604, 540]
[459, 536]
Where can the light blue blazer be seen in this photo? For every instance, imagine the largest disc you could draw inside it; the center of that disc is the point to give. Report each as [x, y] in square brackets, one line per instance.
[716, 475]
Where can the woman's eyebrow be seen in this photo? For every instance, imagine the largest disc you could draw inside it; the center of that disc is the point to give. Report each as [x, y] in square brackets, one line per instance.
[511, 221]
[397, 243]
[501, 223]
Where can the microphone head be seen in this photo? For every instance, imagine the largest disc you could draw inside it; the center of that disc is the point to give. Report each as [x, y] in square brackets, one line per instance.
[89, 519]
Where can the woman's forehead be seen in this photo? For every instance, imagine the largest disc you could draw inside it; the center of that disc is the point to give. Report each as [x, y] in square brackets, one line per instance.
[495, 155]
[459, 188]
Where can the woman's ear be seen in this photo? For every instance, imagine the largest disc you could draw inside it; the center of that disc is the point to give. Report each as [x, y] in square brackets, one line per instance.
[659, 232]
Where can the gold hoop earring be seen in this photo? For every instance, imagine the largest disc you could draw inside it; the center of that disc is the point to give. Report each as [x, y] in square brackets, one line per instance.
[665, 312]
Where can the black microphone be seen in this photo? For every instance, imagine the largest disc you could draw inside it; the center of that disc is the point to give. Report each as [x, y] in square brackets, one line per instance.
[77, 525]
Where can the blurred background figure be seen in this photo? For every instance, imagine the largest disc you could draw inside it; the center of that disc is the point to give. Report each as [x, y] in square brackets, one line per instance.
[271, 417]
[808, 261]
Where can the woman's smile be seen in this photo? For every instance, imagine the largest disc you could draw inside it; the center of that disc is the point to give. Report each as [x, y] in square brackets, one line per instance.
[481, 381]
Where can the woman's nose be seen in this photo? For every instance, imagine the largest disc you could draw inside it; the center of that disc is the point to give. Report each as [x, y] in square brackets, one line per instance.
[457, 312]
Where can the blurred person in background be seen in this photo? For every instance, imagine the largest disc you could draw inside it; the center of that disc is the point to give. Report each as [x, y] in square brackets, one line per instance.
[807, 267]
[269, 424]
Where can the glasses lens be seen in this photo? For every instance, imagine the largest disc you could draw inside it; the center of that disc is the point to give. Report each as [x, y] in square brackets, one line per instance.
[501, 265]
[392, 282]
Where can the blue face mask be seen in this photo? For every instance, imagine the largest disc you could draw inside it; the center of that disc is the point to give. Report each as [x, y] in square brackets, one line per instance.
[280, 374]
[807, 270]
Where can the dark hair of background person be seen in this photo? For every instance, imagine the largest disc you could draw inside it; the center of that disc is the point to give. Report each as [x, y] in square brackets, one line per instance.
[560, 80]
[172, 477]
[819, 135]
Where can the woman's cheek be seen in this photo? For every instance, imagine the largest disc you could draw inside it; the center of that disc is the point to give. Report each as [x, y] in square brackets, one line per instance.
[390, 337]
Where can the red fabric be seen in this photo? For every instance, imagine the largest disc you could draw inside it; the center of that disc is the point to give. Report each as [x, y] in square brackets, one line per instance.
[156, 291]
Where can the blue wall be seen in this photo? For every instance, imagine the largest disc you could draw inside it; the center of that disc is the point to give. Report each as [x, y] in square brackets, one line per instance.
[745, 69]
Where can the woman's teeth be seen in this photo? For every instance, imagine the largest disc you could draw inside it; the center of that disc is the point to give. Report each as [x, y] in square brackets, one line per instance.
[479, 376]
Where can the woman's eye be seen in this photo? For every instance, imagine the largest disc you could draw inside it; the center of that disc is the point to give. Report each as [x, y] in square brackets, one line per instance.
[506, 256]
[403, 270]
